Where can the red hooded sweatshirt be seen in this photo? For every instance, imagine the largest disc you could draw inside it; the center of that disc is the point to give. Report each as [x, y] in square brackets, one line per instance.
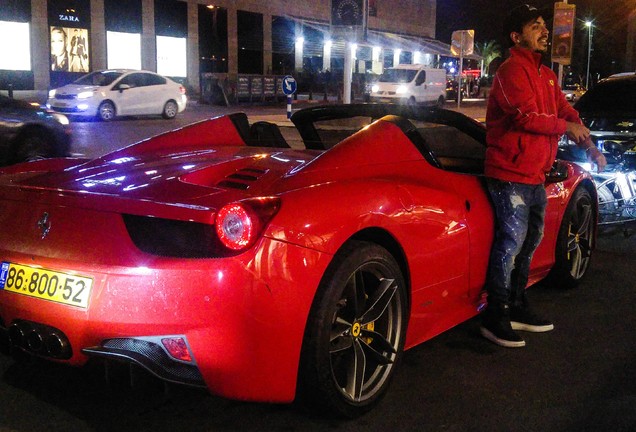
[526, 115]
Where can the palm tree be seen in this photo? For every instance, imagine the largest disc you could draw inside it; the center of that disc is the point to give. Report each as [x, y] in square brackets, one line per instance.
[489, 50]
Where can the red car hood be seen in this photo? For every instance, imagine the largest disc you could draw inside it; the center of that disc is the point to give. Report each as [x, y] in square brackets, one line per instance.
[187, 173]
[193, 180]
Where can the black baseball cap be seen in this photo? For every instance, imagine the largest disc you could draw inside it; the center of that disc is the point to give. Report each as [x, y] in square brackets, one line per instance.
[519, 17]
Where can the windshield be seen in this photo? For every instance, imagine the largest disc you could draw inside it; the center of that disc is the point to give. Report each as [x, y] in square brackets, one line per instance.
[99, 78]
[610, 96]
[398, 75]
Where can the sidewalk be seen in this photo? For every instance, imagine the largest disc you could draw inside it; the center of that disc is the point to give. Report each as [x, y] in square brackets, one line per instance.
[473, 108]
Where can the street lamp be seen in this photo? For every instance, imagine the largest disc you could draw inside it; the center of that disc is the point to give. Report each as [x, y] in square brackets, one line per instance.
[589, 26]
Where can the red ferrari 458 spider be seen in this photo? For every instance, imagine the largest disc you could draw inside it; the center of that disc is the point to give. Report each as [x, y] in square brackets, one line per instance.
[267, 263]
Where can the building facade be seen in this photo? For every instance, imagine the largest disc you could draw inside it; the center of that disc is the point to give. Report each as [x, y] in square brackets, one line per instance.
[56, 41]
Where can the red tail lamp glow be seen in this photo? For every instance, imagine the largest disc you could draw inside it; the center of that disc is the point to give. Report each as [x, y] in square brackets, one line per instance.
[177, 348]
[234, 226]
[239, 224]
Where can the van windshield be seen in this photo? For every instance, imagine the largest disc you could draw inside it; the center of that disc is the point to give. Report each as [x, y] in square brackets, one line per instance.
[398, 75]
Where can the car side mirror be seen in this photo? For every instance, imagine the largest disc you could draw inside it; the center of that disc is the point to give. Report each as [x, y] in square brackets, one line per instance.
[123, 87]
[558, 173]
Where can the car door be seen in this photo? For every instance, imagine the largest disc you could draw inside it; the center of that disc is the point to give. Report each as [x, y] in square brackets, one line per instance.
[157, 93]
[461, 157]
[129, 94]
[419, 88]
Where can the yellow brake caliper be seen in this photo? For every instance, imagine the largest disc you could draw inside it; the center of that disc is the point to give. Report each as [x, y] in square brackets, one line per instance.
[576, 238]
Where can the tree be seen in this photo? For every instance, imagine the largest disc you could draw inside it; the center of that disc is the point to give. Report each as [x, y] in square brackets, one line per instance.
[489, 50]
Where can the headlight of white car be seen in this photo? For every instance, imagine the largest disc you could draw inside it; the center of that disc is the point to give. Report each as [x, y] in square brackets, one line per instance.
[400, 90]
[85, 95]
[51, 94]
[375, 88]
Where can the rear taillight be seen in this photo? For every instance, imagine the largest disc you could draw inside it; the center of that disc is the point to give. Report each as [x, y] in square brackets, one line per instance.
[182, 90]
[234, 227]
[239, 224]
[177, 348]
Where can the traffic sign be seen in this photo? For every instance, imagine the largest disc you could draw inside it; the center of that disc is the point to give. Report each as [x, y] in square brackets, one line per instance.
[289, 85]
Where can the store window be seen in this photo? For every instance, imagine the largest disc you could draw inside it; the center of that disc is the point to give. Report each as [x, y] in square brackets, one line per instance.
[171, 28]
[250, 42]
[171, 56]
[15, 56]
[69, 49]
[406, 57]
[283, 40]
[212, 39]
[69, 37]
[123, 50]
[387, 58]
[313, 49]
[123, 33]
[337, 57]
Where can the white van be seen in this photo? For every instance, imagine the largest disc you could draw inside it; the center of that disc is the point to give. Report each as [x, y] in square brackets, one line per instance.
[410, 84]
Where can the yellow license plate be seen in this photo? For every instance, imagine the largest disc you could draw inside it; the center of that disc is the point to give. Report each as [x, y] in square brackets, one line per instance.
[69, 289]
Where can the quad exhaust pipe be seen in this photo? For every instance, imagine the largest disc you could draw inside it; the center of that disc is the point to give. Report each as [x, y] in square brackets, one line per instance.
[38, 339]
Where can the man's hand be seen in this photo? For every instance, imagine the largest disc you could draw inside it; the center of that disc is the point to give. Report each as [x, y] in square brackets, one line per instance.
[577, 132]
[596, 156]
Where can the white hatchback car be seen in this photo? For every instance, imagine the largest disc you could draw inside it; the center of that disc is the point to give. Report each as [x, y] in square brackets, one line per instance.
[118, 92]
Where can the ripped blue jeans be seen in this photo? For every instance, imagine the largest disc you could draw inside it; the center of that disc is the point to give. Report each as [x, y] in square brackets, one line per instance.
[519, 220]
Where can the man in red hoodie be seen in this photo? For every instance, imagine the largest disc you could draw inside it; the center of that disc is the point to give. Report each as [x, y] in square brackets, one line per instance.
[526, 115]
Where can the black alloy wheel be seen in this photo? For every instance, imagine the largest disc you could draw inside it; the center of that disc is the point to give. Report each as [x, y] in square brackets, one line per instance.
[355, 333]
[575, 240]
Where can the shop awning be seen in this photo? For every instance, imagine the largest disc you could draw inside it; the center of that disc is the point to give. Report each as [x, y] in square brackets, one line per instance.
[385, 40]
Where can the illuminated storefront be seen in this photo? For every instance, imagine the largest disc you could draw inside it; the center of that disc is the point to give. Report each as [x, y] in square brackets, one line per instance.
[123, 22]
[15, 46]
[55, 41]
[69, 24]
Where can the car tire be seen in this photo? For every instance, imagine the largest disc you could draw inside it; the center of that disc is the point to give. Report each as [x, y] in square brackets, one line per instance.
[106, 111]
[170, 110]
[607, 209]
[33, 145]
[411, 101]
[355, 333]
[575, 241]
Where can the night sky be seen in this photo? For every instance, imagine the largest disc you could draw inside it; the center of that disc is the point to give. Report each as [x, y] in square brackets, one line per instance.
[486, 17]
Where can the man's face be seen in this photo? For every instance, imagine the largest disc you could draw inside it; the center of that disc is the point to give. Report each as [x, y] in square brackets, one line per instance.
[533, 36]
